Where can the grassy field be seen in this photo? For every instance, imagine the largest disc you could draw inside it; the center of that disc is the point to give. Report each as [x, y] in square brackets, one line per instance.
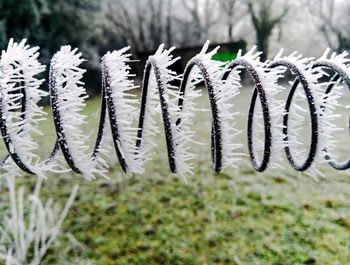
[235, 217]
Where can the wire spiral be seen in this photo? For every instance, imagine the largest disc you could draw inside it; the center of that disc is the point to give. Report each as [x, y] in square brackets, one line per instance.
[20, 94]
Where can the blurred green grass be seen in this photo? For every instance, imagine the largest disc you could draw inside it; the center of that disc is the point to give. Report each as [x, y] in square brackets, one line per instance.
[235, 217]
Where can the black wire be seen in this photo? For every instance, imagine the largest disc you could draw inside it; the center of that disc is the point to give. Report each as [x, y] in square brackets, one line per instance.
[258, 90]
[313, 115]
[216, 142]
[339, 73]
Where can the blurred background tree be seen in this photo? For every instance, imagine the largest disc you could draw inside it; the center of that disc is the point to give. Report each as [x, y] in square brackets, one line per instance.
[52, 23]
[264, 21]
[18, 18]
[331, 22]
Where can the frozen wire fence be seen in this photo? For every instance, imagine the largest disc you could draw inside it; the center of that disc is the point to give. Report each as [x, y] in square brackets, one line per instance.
[268, 114]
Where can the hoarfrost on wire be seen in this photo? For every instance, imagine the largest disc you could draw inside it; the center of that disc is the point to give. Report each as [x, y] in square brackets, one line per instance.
[31, 225]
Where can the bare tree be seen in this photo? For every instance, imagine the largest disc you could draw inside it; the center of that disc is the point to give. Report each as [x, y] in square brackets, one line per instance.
[326, 19]
[155, 22]
[168, 25]
[119, 23]
[263, 20]
[202, 19]
[230, 10]
[143, 26]
[193, 8]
